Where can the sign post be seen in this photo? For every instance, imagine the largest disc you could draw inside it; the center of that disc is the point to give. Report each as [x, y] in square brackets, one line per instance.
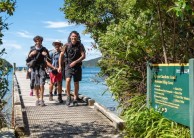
[148, 84]
[191, 95]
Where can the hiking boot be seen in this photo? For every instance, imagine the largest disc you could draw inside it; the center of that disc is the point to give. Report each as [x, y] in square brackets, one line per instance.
[60, 98]
[68, 101]
[37, 103]
[50, 97]
[75, 103]
[41, 103]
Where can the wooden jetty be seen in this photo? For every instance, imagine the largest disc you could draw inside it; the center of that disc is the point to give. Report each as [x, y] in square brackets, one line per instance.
[87, 120]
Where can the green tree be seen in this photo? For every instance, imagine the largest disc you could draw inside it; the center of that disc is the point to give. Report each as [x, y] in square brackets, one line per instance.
[131, 33]
[7, 8]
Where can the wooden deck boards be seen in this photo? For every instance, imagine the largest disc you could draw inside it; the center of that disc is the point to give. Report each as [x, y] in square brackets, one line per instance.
[58, 120]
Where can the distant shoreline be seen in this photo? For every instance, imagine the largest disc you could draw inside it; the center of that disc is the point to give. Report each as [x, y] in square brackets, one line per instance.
[91, 63]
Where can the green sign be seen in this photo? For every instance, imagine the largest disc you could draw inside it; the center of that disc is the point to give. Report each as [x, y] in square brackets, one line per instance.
[168, 86]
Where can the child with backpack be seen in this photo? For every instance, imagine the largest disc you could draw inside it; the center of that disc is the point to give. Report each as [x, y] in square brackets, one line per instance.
[55, 76]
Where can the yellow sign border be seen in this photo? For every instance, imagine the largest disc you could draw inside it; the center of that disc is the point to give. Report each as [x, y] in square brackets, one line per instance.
[172, 64]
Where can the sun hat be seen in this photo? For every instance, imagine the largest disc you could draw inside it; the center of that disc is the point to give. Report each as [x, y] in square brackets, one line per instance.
[57, 41]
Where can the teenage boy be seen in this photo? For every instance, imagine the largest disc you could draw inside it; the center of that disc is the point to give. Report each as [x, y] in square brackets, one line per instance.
[40, 54]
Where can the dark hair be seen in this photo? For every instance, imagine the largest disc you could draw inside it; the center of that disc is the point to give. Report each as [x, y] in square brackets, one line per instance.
[38, 37]
[78, 36]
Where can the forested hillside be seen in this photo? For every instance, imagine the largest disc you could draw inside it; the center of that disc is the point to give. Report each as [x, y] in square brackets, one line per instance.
[91, 63]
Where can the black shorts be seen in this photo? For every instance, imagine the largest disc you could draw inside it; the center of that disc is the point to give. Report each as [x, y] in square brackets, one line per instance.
[76, 73]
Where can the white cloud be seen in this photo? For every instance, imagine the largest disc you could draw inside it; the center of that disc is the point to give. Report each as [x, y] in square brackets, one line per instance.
[24, 34]
[15, 46]
[87, 40]
[51, 24]
[11, 45]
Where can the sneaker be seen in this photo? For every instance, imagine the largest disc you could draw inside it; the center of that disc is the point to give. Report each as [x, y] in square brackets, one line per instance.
[50, 97]
[60, 98]
[75, 103]
[68, 101]
[41, 103]
[37, 103]
[31, 93]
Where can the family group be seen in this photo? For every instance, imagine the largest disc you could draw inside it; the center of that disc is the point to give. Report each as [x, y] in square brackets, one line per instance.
[64, 61]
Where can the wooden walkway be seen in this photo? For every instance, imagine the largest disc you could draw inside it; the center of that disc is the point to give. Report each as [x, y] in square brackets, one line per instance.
[57, 120]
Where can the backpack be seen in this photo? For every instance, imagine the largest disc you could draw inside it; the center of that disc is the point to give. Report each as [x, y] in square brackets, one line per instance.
[32, 62]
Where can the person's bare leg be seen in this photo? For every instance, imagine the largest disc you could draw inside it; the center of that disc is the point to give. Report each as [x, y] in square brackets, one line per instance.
[36, 90]
[68, 86]
[42, 95]
[76, 90]
[51, 91]
[51, 87]
[59, 87]
[55, 88]
[41, 92]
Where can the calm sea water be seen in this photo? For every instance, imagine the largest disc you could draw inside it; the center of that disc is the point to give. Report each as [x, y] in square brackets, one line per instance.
[94, 87]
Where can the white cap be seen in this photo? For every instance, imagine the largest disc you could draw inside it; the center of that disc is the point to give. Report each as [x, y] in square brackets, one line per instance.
[57, 41]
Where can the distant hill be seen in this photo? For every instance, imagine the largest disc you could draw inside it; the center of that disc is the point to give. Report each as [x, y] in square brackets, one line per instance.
[91, 63]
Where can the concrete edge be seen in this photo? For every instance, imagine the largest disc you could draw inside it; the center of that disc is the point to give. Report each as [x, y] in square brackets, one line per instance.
[19, 126]
[118, 123]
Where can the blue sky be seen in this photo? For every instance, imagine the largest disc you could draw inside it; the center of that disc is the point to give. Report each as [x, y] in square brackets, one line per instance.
[39, 17]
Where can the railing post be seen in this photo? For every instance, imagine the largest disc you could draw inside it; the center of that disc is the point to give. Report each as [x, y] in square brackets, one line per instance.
[13, 75]
[14, 68]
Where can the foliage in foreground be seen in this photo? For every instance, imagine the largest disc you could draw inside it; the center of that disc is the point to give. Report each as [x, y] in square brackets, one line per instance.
[7, 8]
[148, 123]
